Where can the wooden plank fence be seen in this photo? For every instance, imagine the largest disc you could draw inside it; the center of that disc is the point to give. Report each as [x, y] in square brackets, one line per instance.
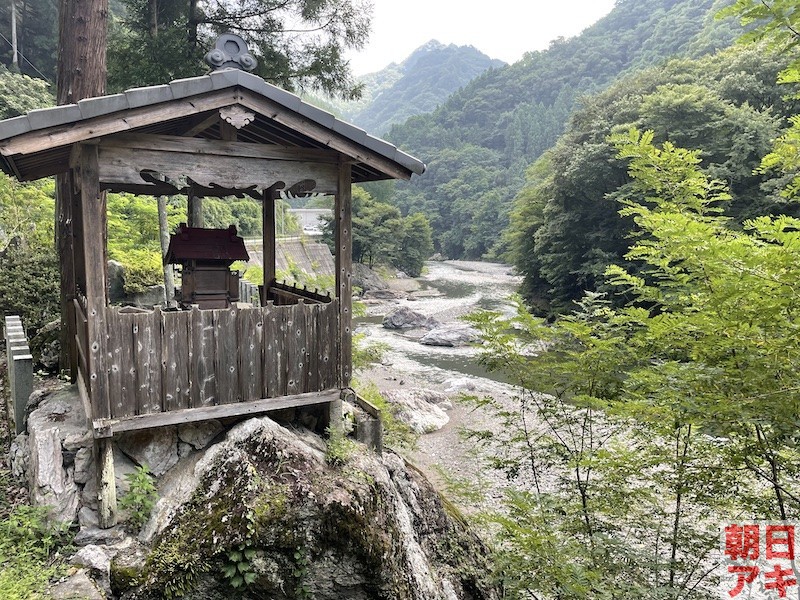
[163, 361]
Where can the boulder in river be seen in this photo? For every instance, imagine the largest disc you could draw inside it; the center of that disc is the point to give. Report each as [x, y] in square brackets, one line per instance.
[405, 318]
[451, 334]
[422, 410]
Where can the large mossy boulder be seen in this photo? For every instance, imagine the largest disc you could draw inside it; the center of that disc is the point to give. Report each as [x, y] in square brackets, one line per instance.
[263, 515]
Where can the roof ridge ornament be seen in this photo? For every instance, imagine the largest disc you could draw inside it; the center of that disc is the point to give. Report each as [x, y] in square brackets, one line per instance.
[231, 52]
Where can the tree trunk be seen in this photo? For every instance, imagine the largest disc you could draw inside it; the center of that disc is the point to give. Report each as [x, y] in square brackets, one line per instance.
[82, 32]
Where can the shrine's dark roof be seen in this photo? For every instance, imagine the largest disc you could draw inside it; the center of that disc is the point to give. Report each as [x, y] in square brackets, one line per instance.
[54, 122]
[195, 243]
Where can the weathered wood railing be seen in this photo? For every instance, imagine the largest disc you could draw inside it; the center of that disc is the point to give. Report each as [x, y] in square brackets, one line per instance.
[163, 361]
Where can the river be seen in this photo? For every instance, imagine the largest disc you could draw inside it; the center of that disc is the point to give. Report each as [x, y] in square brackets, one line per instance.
[446, 291]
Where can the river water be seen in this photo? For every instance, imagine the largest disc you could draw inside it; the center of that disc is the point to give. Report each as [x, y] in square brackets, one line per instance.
[446, 291]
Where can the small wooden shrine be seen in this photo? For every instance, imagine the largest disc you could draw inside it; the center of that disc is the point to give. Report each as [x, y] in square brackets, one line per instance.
[228, 133]
[206, 256]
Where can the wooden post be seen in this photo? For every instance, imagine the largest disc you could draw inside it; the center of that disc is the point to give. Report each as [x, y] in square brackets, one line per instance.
[195, 210]
[106, 486]
[163, 231]
[268, 235]
[344, 272]
[93, 221]
[65, 248]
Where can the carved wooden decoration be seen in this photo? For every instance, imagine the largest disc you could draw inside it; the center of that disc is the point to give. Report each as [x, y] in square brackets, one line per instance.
[236, 115]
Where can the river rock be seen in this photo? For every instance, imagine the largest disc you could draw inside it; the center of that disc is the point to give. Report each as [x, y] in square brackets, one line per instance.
[405, 318]
[372, 528]
[367, 279]
[452, 334]
[420, 409]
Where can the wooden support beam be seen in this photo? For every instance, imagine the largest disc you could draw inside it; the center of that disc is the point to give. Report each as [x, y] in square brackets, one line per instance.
[71, 133]
[195, 210]
[344, 272]
[104, 428]
[268, 258]
[204, 147]
[93, 234]
[120, 166]
[66, 260]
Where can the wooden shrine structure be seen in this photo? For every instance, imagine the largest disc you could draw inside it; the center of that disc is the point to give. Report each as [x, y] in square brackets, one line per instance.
[228, 133]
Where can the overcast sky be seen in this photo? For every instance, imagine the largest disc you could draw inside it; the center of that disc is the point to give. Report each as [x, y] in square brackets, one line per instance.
[503, 29]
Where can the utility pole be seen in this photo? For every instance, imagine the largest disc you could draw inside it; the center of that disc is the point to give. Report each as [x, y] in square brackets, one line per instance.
[14, 59]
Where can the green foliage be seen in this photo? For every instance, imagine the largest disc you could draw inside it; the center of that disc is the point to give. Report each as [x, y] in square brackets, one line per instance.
[20, 93]
[29, 552]
[141, 497]
[297, 45]
[133, 237]
[366, 353]
[28, 266]
[382, 235]
[37, 38]
[238, 566]
[339, 448]
[565, 229]
[417, 85]
[302, 561]
[396, 434]
[631, 423]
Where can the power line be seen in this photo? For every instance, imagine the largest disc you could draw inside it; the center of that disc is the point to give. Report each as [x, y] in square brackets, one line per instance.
[25, 58]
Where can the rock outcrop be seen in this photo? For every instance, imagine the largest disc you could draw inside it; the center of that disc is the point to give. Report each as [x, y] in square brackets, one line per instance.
[262, 512]
[253, 512]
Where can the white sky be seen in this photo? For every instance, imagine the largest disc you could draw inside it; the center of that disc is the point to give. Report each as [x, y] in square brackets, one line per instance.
[503, 29]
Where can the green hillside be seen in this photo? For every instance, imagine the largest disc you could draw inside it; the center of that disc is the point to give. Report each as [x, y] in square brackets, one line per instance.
[480, 141]
[417, 85]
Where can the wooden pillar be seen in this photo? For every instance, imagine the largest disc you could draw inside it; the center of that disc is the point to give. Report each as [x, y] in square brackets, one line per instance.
[93, 237]
[106, 485]
[93, 227]
[344, 272]
[195, 211]
[66, 258]
[268, 237]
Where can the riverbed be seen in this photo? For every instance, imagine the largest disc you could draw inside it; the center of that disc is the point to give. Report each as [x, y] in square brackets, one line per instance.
[447, 291]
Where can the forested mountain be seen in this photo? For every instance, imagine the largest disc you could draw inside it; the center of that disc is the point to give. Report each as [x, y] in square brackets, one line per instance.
[565, 227]
[415, 86]
[479, 142]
